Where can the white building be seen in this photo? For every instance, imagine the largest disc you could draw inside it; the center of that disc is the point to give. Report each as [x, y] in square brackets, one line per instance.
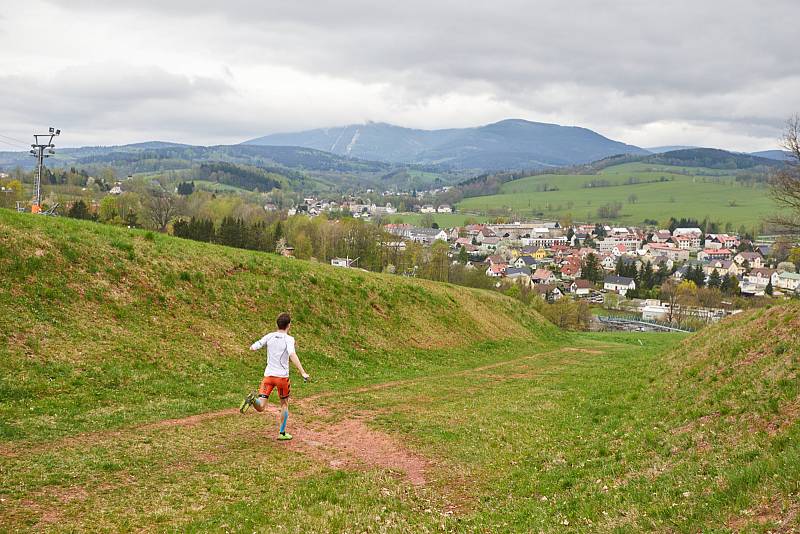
[619, 284]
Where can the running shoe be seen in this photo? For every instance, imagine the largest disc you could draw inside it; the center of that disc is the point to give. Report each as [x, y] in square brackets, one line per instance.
[248, 401]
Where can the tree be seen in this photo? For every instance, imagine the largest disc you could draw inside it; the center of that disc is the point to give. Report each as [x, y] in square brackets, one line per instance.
[302, 246]
[730, 285]
[10, 193]
[463, 257]
[108, 208]
[714, 280]
[186, 188]
[768, 290]
[161, 208]
[669, 294]
[79, 210]
[785, 184]
[591, 269]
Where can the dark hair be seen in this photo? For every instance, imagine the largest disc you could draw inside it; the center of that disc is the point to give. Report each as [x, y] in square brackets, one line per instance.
[283, 321]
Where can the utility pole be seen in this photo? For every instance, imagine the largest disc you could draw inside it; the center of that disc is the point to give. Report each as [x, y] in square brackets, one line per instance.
[38, 151]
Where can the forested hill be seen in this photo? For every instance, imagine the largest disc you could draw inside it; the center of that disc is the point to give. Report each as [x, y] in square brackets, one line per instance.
[158, 156]
[508, 144]
[712, 158]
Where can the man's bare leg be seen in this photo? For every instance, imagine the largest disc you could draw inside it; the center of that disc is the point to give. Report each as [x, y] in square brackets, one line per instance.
[261, 403]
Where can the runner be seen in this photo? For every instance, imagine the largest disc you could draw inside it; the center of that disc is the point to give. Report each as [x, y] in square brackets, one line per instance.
[280, 351]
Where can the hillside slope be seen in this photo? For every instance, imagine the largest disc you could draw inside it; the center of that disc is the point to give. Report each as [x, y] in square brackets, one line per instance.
[100, 317]
[508, 144]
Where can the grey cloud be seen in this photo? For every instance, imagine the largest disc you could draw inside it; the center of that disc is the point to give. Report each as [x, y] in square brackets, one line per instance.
[615, 63]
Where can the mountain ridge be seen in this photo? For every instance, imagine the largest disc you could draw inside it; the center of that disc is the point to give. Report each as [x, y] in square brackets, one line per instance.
[506, 144]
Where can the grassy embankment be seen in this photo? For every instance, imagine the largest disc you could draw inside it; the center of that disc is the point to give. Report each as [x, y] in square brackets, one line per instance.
[702, 193]
[109, 333]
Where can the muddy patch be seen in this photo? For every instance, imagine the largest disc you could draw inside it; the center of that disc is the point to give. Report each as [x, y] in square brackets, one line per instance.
[351, 444]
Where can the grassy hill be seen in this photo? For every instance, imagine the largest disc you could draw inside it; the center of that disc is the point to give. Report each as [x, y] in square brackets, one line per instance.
[127, 326]
[661, 192]
[434, 408]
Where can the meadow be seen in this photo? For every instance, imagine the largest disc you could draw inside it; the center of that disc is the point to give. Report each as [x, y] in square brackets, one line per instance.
[433, 407]
[444, 220]
[687, 192]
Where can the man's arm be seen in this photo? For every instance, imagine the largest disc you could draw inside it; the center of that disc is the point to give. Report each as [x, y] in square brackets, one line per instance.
[258, 345]
[296, 361]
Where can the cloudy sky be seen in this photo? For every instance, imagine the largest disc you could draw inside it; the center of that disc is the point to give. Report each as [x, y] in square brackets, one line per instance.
[722, 73]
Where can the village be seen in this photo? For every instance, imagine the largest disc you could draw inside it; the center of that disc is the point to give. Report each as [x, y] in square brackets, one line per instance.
[618, 268]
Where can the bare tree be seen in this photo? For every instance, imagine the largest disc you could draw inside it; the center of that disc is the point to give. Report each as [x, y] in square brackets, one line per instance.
[785, 183]
[161, 208]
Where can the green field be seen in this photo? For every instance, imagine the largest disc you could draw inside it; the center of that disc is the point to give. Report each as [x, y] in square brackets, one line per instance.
[690, 192]
[444, 220]
[433, 407]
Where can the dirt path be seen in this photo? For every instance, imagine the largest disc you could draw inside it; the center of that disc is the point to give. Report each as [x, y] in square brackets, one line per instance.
[346, 444]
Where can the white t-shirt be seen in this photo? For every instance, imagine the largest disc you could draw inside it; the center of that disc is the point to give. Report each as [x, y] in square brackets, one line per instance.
[279, 346]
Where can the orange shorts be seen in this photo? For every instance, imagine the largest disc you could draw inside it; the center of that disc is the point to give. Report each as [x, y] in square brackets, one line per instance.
[271, 382]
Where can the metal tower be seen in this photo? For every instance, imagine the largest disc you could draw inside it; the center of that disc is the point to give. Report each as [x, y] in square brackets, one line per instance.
[38, 151]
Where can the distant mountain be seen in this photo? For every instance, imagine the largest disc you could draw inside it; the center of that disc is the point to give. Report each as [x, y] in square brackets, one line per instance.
[668, 148]
[779, 155]
[508, 144]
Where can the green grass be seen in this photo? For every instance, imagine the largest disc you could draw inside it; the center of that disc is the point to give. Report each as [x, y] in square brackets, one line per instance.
[525, 428]
[690, 192]
[444, 220]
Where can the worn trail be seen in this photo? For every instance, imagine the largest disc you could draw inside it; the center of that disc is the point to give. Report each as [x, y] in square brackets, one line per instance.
[346, 444]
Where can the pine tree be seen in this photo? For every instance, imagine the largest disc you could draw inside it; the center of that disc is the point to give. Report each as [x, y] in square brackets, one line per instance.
[79, 210]
[462, 256]
[646, 278]
[714, 280]
[768, 290]
[591, 269]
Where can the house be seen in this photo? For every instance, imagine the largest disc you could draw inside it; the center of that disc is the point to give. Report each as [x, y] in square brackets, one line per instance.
[628, 242]
[661, 236]
[485, 233]
[444, 208]
[520, 275]
[722, 241]
[342, 262]
[608, 262]
[762, 276]
[581, 287]
[788, 281]
[489, 243]
[287, 252]
[619, 284]
[426, 236]
[687, 241]
[427, 208]
[495, 271]
[540, 253]
[722, 267]
[668, 251]
[543, 276]
[687, 231]
[525, 261]
[549, 292]
[116, 190]
[709, 254]
[496, 259]
[753, 259]
[570, 269]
